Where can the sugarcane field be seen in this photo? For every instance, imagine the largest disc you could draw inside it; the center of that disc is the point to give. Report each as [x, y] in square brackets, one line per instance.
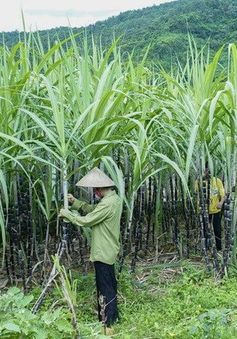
[118, 197]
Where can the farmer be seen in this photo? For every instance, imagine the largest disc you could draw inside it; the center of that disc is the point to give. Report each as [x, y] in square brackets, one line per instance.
[104, 219]
[217, 198]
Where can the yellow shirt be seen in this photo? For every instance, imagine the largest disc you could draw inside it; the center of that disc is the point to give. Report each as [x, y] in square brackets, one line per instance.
[217, 192]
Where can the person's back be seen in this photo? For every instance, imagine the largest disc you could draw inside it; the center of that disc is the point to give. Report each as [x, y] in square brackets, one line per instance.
[105, 235]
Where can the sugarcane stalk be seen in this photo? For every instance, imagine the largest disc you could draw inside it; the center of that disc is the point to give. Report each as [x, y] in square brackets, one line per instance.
[80, 242]
[124, 236]
[7, 266]
[22, 269]
[155, 205]
[45, 249]
[142, 206]
[136, 246]
[61, 248]
[227, 230]
[213, 247]
[203, 242]
[11, 248]
[165, 213]
[193, 221]
[149, 214]
[137, 228]
[234, 224]
[174, 198]
[30, 248]
[128, 232]
[203, 221]
[124, 241]
[186, 221]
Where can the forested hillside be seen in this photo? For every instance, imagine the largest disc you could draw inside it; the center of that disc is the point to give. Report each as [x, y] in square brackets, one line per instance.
[163, 27]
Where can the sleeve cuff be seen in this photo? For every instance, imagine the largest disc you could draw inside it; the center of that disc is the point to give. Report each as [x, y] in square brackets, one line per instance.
[76, 205]
[73, 217]
[68, 215]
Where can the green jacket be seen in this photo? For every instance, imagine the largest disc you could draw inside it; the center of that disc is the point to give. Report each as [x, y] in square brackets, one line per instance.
[104, 218]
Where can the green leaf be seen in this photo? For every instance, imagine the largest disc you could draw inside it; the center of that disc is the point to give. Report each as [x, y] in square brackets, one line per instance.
[26, 300]
[12, 327]
[64, 326]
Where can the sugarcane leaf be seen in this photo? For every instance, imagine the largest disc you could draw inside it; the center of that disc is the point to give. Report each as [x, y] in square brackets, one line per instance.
[49, 134]
[191, 145]
[10, 326]
[175, 167]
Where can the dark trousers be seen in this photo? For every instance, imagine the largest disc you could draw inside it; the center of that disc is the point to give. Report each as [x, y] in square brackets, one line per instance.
[215, 219]
[106, 285]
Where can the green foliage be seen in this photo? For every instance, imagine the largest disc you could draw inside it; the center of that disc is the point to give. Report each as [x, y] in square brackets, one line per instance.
[17, 321]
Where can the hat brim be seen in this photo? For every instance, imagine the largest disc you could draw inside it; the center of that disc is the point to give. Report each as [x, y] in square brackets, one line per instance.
[95, 178]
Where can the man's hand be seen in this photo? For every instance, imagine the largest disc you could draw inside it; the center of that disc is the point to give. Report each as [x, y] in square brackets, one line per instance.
[219, 206]
[71, 198]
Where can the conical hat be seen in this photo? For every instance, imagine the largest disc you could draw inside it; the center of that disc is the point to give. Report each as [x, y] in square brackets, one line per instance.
[95, 178]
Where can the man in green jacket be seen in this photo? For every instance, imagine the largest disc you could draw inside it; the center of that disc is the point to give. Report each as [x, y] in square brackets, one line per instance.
[104, 219]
